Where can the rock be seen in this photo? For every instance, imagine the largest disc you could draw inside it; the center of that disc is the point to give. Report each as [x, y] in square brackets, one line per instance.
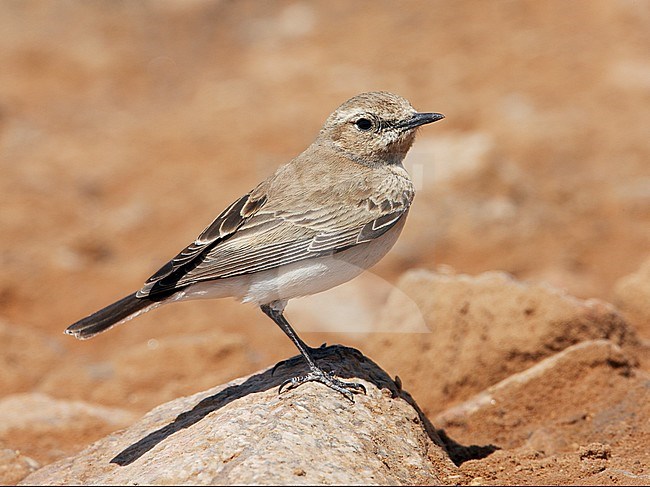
[571, 416]
[243, 432]
[594, 457]
[48, 429]
[482, 329]
[539, 384]
[14, 466]
[632, 296]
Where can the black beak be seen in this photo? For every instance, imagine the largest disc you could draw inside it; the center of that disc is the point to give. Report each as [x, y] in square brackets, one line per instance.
[420, 119]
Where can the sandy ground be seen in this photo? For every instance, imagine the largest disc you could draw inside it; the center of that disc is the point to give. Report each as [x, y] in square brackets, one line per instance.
[126, 127]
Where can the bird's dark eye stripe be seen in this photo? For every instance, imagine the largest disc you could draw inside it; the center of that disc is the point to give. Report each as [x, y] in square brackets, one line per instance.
[364, 124]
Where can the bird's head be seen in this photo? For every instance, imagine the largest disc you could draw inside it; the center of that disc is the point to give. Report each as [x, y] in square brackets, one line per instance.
[374, 128]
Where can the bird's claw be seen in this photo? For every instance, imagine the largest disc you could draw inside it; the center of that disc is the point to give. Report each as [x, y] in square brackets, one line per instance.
[348, 389]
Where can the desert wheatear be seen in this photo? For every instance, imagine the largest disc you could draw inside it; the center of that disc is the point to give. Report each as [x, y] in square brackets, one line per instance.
[317, 222]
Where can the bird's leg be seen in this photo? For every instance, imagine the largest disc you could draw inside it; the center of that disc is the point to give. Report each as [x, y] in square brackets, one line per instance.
[274, 311]
[311, 351]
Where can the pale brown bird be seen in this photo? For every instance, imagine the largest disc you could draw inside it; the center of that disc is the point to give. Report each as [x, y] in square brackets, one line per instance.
[317, 222]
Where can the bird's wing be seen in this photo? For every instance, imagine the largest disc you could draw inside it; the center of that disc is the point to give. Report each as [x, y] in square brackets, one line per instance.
[224, 226]
[269, 239]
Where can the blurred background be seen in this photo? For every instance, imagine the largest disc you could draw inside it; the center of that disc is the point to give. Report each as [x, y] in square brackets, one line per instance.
[126, 127]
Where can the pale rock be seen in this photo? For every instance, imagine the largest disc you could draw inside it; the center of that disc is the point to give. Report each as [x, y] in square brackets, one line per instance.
[48, 429]
[15, 466]
[245, 433]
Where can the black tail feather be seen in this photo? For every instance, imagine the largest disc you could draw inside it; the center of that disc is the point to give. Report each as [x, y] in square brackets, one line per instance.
[109, 316]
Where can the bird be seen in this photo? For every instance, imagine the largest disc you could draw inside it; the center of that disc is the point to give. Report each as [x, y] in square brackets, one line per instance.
[317, 222]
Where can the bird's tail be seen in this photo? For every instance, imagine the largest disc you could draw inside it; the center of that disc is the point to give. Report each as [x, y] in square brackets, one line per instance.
[113, 314]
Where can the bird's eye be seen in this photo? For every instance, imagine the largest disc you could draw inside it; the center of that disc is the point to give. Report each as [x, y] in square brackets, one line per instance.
[363, 124]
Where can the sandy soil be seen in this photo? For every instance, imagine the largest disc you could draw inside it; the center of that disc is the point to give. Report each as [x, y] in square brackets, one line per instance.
[126, 127]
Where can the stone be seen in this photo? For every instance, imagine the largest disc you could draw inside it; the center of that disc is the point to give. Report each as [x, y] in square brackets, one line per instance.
[243, 432]
[47, 429]
[574, 414]
[15, 466]
[482, 329]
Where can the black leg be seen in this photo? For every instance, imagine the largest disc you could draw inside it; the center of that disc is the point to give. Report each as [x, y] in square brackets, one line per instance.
[311, 351]
[274, 311]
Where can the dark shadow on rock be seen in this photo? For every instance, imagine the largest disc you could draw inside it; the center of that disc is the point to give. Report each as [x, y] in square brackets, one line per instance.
[459, 454]
[345, 362]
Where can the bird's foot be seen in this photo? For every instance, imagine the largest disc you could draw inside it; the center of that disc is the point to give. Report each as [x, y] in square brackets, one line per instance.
[348, 389]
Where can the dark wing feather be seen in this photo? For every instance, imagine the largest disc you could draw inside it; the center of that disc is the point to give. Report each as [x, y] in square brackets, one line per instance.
[379, 226]
[224, 226]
